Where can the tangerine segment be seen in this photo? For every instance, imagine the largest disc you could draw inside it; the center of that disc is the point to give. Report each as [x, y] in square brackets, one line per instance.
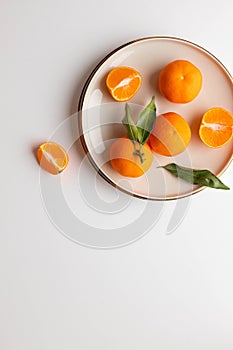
[52, 157]
[180, 81]
[123, 83]
[171, 134]
[125, 159]
[216, 128]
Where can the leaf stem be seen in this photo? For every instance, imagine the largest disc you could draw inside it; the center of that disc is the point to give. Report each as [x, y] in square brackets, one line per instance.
[139, 153]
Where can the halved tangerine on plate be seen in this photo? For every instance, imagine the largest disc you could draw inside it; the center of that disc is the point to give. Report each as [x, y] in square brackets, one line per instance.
[123, 83]
[216, 128]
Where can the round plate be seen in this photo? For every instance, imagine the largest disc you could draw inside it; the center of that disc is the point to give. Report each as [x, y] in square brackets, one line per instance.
[100, 116]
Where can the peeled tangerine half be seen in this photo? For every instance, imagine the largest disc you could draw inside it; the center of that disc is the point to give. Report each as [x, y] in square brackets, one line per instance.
[123, 83]
[216, 127]
[52, 157]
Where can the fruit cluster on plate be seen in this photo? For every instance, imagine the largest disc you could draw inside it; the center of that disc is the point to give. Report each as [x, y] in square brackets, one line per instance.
[168, 134]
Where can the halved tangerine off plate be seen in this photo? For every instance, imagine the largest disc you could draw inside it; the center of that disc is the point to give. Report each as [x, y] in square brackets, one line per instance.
[100, 116]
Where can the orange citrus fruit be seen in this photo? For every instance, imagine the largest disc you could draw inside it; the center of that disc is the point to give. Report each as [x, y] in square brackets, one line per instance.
[52, 157]
[180, 81]
[216, 127]
[171, 134]
[127, 158]
[123, 83]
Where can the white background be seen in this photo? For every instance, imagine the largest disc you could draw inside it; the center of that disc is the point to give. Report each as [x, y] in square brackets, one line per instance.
[162, 292]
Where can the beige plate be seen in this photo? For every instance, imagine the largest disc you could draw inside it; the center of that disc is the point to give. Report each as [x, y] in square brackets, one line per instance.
[100, 116]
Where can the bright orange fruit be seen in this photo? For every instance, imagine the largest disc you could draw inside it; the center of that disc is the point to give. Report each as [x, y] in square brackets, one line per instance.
[216, 127]
[52, 157]
[125, 159]
[180, 81]
[123, 83]
[171, 134]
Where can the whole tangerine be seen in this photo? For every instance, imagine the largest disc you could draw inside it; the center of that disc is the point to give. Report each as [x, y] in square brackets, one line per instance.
[180, 81]
[171, 134]
[130, 158]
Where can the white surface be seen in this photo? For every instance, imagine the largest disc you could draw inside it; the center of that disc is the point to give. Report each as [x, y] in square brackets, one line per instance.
[162, 292]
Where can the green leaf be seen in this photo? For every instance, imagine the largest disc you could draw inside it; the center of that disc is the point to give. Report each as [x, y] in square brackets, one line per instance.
[194, 176]
[146, 122]
[128, 122]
